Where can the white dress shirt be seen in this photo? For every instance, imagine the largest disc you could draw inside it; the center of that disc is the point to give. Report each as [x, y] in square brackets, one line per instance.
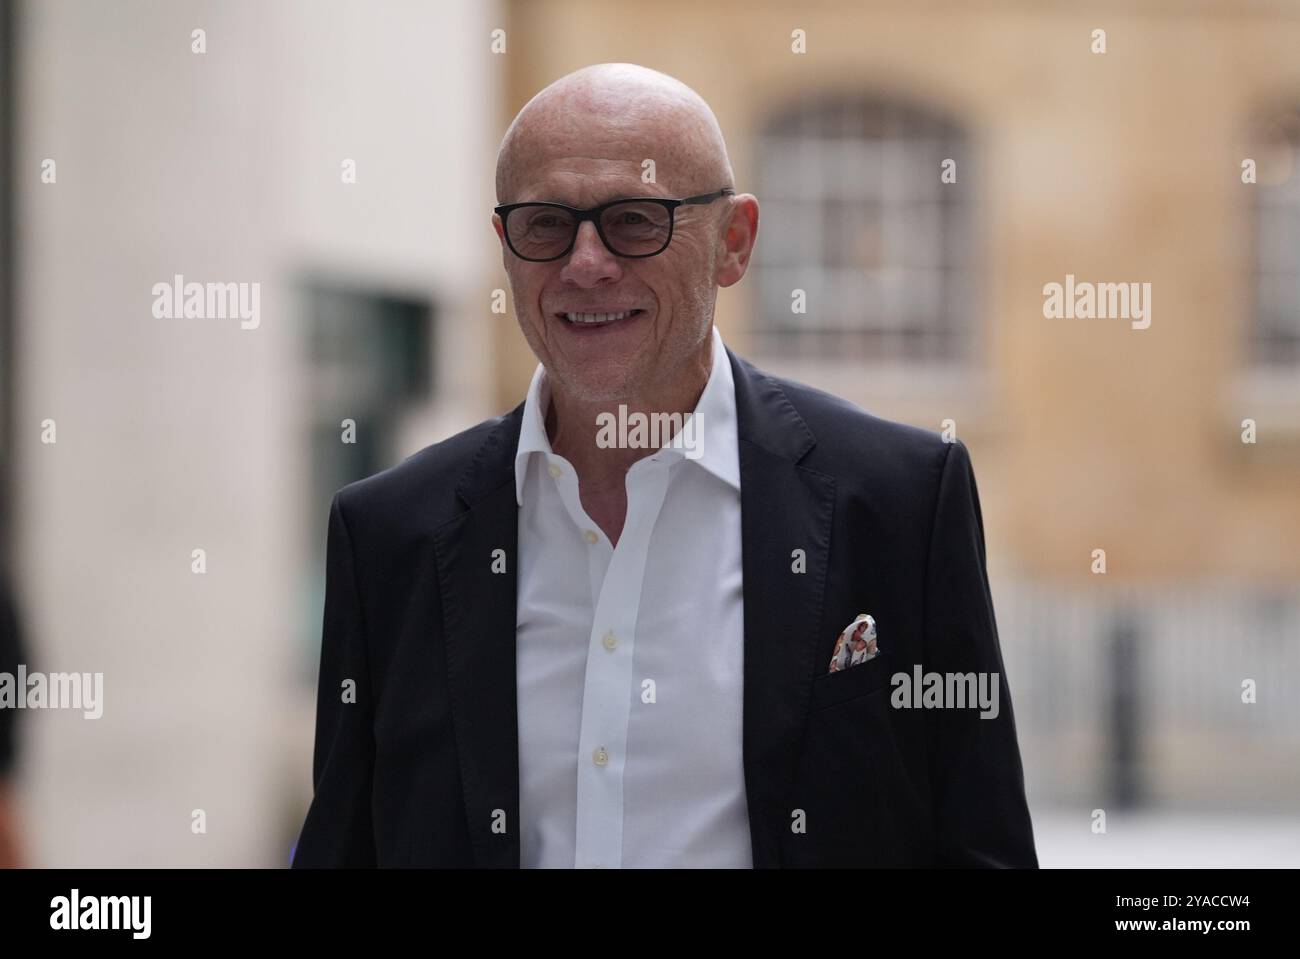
[630, 657]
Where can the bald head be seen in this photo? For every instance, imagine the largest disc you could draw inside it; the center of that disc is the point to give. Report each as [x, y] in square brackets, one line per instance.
[612, 112]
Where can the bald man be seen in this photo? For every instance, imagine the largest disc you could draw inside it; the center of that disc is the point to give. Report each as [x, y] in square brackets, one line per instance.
[564, 638]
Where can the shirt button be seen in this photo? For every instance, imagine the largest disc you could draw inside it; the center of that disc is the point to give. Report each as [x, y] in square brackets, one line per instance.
[600, 757]
[610, 640]
[590, 536]
[554, 470]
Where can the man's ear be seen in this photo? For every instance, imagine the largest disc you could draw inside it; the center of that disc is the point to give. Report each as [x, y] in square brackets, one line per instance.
[501, 235]
[739, 233]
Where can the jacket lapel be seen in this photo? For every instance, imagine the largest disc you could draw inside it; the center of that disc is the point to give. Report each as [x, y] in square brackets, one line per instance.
[784, 507]
[478, 610]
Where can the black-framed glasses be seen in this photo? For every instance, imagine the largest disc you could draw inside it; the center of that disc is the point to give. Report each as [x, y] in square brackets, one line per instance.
[631, 227]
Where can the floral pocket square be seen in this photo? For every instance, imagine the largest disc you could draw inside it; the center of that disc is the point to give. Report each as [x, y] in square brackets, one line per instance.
[856, 644]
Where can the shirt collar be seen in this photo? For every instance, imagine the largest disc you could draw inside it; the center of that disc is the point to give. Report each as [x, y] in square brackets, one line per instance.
[715, 415]
[532, 431]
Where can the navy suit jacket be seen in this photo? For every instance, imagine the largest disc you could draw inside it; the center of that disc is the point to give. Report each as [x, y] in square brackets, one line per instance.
[422, 768]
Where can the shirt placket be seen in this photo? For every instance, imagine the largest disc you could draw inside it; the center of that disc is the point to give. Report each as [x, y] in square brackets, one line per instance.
[616, 574]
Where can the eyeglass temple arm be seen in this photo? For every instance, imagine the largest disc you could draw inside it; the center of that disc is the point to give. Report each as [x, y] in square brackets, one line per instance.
[710, 197]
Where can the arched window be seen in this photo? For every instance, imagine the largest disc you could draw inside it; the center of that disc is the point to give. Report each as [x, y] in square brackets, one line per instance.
[855, 213]
[1275, 325]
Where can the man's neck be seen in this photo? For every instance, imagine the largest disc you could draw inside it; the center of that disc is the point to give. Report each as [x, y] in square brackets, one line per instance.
[572, 425]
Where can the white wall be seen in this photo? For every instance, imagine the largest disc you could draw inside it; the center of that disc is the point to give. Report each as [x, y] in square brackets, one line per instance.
[178, 434]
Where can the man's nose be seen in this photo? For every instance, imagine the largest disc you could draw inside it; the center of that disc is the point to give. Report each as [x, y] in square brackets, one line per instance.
[590, 259]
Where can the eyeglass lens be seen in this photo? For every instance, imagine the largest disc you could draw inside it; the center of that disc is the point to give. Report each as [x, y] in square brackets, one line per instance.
[633, 228]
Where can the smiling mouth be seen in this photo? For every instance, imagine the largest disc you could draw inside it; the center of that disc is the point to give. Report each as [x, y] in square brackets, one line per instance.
[591, 320]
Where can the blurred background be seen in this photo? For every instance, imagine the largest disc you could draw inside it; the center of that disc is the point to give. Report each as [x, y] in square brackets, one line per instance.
[128, 158]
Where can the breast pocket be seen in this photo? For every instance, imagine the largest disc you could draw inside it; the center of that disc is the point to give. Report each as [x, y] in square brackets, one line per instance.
[832, 689]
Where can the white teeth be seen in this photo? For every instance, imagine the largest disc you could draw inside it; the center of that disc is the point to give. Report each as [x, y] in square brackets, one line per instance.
[596, 317]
